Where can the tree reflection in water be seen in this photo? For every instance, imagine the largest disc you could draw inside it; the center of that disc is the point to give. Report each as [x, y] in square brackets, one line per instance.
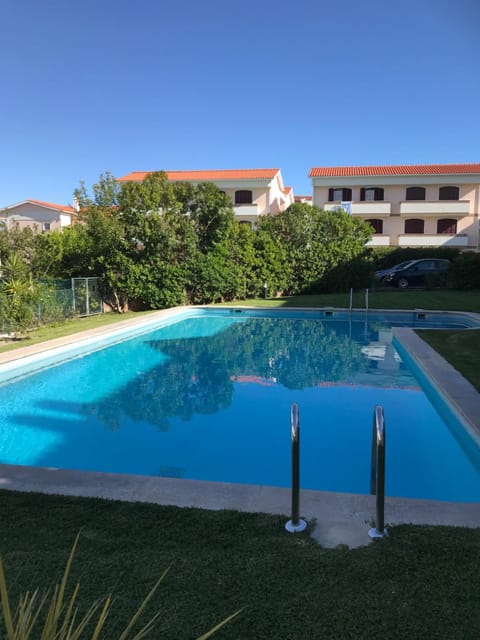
[199, 373]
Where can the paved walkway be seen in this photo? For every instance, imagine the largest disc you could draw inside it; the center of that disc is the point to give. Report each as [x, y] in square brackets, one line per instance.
[339, 518]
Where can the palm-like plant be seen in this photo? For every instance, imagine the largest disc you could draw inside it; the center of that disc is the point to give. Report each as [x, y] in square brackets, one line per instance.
[62, 622]
[17, 291]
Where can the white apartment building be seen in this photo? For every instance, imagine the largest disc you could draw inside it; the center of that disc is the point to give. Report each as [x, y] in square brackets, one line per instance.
[434, 205]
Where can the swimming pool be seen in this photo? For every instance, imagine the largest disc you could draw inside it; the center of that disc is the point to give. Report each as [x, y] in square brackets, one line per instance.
[207, 396]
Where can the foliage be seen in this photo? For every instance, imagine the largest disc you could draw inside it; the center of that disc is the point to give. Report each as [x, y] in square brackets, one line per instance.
[105, 193]
[156, 244]
[356, 274]
[17, 294]
[315, 242]
[385, 257]
[61, 617]
[213, 278]
[212, 215]
[464, 273]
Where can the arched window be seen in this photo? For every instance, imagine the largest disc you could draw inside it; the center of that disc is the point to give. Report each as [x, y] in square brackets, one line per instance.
[414, 225]
[376, 224]
[244, 196]
[337, 195]
[371, 193]
[448, 193]
[415, 193]
[447, 225]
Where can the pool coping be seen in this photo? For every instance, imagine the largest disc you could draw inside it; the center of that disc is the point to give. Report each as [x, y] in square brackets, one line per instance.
[340, 517]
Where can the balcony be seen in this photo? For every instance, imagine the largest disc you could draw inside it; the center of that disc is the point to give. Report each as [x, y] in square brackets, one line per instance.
[438, 240]
[370, 208]
[246, 211]
[379, 241]
[437, 207]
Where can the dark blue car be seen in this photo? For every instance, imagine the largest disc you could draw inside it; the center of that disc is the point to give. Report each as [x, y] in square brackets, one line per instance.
[416, 273]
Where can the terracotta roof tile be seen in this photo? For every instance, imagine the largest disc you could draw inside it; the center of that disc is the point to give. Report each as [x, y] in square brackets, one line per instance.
[395, 170]
[50, 205]
[214, 174]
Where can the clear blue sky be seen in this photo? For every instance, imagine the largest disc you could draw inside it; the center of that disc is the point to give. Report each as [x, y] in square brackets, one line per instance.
[89, 86]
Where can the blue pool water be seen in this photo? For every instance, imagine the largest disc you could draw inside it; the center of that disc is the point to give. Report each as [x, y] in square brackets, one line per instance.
[209, 397]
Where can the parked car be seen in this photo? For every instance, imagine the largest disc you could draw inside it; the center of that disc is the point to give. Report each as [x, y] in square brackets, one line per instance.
[380, 275]
[416, 273]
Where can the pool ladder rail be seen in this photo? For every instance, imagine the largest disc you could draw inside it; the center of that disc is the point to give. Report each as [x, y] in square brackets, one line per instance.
[295, 524]
[377, 472]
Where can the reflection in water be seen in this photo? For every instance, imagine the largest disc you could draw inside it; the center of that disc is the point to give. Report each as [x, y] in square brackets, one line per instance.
[209, 399]
[197, 375]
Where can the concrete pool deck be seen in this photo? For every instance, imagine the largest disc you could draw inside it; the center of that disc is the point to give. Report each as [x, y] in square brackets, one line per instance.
[339, 518]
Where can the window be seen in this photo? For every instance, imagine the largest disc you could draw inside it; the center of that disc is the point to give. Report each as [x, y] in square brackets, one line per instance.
[371, 193]
[243, 197]
[415, 193]
[247, 223]
[376, 224]
[46, 226]
[414, 225]
[447, 225]
[448, 193]
[338, 194]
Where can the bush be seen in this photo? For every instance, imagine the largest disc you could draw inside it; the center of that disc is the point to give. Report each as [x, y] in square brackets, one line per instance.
[464, 272]
[354, 274]
[385, 257]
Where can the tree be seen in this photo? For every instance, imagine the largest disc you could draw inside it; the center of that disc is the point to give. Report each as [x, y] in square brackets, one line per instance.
[212, 214]
[105, 192]
[315, 242]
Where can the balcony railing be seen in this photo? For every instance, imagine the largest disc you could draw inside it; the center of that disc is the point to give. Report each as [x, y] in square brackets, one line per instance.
[438, 240]
[369, 208]
[379, 241]
[246, 210]
[438, 207]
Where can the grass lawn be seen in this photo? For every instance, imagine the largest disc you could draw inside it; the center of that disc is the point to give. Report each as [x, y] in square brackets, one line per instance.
[69, 327]
[435, 300]
[460, 348]
[421, 582]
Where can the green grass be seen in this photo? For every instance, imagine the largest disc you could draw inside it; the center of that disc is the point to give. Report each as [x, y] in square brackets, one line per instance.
[69, 327]
[460, 348]
[436, 300]
[421, 582]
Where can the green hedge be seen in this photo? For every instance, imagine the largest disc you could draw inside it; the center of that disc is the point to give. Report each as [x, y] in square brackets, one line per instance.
[464, 273]
[385, 257]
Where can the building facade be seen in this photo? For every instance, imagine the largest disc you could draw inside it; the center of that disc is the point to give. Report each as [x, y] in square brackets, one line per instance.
[37, 215]
[408, 205]
[254, 192]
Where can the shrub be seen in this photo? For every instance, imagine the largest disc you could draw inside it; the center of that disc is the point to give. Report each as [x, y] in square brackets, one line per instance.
[354, 274]
[464, 272]
[385, 257]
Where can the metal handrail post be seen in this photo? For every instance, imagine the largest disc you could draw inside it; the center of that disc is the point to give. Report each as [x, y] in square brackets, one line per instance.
[366, 299]
[295, 524]
[351, 299]
[377, 472]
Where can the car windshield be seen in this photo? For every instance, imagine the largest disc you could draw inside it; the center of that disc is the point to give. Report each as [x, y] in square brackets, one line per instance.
[402, 265]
